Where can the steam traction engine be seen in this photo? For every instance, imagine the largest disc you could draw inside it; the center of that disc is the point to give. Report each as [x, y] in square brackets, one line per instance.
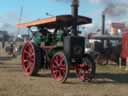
[62, 49]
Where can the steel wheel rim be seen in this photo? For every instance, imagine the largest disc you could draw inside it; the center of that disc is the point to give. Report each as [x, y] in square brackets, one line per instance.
[28, 58]
[58, 67]
[83, 71]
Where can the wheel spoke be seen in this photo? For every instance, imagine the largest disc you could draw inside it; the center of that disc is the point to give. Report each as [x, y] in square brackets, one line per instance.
[31, 61]
[25, 61]
[61, 60]
[56, 62]
[30, 54]
[60, 74]
[62, 63]
[30, 51]
[56, 58]
[82, 65]
[62, 67]
[31, 57]
[55, 71]
[29, 66]
[63, 72]
[26, 52]
[54, 66]
[29, 47]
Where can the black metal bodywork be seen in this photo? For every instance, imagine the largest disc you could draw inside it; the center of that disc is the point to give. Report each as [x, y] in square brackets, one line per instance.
[74, 47]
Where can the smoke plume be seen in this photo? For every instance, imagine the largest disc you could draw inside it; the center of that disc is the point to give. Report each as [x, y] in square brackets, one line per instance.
[116, 10]
[8, 24]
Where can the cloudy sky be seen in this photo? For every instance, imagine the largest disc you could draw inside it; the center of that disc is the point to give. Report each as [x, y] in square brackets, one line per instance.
[116, 10]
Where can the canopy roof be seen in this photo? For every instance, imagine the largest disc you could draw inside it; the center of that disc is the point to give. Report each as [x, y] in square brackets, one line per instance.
[52, 22]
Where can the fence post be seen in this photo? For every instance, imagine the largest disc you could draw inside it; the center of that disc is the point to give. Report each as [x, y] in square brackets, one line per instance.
[126, 68]
[120, 65]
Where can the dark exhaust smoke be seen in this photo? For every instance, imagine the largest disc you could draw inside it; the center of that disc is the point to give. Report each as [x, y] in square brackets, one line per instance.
[116, 10]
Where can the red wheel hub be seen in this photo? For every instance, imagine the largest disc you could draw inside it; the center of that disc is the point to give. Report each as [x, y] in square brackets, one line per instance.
[83, 71]
[58, 67]
[28, 58]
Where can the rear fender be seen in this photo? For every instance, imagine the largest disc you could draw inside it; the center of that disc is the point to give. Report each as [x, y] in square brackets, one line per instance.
[55, 50]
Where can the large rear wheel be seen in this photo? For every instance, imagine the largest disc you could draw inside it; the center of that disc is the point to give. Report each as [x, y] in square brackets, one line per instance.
[31, 59]
[59, 67]
[86, 70]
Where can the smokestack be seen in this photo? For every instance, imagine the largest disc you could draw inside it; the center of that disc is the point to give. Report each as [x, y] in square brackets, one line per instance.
[103, 23]
[103, 27]
[75, 5]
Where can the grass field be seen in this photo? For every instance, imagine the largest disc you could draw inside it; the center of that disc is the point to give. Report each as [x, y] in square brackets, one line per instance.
[110, 80]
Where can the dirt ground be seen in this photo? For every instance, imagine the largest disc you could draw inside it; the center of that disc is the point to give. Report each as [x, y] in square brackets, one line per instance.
[110, 81]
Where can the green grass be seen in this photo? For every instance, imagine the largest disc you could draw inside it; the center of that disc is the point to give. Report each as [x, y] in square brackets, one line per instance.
[111, 68]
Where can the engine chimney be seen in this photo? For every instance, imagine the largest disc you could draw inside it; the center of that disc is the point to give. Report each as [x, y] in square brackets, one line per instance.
[75, 4]
[103, 23]
[103, 27]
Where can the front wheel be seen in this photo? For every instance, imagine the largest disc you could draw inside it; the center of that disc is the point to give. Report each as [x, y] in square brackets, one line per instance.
[86, 70]
[59, 67]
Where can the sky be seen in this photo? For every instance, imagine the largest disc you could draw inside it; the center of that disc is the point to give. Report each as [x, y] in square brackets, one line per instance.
[35, 9]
